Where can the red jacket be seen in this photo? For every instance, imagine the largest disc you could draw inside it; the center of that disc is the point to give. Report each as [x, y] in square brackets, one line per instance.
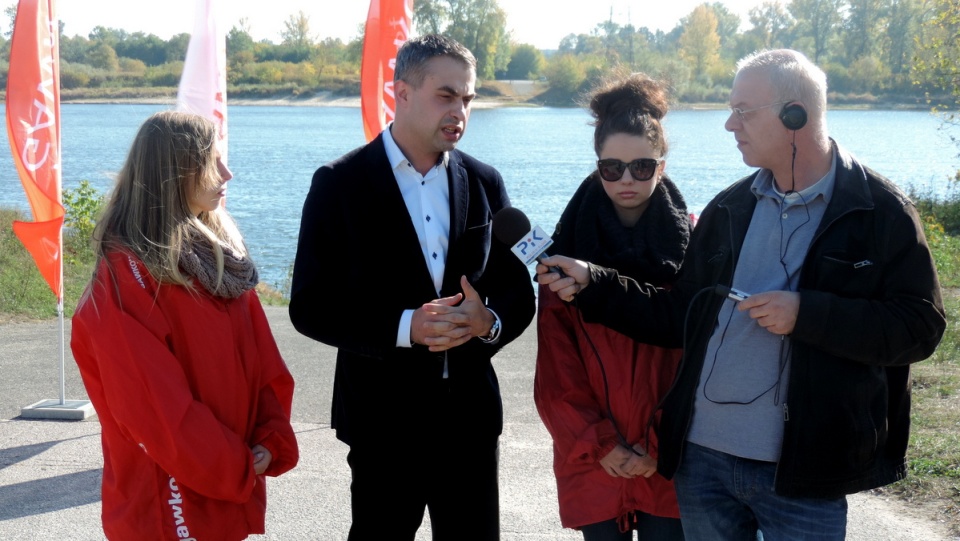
[570, 396]
[184, 384]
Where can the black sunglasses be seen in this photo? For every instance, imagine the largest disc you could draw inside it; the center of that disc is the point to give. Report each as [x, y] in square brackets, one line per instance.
[611, 169]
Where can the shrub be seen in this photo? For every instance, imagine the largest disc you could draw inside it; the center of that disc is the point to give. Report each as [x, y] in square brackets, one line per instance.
[83, 206]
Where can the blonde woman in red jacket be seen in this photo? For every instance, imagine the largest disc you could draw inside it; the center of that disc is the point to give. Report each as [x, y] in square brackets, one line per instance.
[175, 351]
[597, 390]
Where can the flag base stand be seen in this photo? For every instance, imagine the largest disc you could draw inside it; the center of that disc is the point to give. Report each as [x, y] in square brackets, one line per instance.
[55, 409]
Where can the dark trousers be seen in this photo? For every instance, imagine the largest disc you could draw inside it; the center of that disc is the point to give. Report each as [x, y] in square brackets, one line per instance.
[455, 478]
[648, 528]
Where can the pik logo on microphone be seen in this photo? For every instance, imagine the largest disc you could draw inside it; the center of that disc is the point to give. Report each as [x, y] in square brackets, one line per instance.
[532, 245]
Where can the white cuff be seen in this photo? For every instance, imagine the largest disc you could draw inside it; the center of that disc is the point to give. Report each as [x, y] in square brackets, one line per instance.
[403, 330]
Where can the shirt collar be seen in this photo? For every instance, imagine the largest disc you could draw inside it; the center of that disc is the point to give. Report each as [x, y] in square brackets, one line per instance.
[763, 185]
[395, 155]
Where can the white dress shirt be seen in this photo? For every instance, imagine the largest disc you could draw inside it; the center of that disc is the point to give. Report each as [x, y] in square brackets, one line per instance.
[428, 203]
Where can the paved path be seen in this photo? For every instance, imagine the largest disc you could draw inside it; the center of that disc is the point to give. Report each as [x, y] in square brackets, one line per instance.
[50, 471]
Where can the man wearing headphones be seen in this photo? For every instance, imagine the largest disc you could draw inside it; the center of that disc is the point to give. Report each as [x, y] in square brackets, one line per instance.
[797, 395]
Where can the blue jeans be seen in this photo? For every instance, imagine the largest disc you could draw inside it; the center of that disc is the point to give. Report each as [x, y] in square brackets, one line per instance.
[724, 497]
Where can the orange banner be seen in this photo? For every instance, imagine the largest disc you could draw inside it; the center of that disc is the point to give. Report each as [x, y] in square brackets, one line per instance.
[388, 26]
[33, 129]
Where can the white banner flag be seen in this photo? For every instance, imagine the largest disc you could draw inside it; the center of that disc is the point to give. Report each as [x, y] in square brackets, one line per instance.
[203, 85]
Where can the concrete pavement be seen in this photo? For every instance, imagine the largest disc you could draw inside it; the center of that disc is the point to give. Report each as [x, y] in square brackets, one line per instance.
[50, 470]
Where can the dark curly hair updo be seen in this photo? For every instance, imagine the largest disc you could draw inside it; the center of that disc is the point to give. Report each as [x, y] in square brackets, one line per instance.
[633, 104]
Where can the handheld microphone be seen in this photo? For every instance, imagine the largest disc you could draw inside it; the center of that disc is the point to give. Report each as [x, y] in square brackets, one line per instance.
[731, 293]
[512, 227]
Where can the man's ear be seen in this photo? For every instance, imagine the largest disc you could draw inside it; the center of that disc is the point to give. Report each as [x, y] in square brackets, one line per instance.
[400, 90]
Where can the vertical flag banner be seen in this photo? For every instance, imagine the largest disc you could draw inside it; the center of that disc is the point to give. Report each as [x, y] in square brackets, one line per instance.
[203, 84]
[33, 129]
[388, 26]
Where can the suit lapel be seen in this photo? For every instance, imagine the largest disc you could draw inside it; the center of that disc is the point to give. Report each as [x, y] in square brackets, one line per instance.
[459, 199]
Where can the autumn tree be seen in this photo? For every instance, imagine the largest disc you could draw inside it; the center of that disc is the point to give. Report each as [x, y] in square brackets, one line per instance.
[728, 24]
[938, 61]
[700, 43]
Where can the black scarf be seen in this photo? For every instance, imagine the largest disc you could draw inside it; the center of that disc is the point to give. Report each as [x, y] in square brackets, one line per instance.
[650, 251]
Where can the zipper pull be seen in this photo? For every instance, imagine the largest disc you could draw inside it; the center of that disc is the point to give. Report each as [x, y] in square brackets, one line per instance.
[861, 264]
[786, 412]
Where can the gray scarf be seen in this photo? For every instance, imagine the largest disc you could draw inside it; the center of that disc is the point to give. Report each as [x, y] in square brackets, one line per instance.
[198, 260]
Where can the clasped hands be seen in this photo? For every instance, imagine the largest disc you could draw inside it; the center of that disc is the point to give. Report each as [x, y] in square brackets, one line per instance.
[446, 323]
[775, 311]
[627, 463]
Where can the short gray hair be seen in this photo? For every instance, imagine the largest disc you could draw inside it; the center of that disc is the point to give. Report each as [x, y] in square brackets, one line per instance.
[793, 77]
[413, 56]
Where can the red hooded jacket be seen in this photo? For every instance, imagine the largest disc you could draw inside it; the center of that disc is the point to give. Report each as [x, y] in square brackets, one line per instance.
[569, 388]
[184, 384]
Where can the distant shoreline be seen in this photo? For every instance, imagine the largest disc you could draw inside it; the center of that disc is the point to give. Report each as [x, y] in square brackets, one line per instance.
[479, 103]
[317, 100]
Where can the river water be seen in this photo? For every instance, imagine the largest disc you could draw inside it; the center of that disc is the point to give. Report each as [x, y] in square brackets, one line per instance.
[543, 154]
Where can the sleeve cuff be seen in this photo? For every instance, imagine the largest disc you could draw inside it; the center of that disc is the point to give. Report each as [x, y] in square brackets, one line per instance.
[403, 330]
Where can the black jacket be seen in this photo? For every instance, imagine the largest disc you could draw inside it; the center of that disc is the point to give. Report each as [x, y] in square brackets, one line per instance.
[870, 304]
[359, 265]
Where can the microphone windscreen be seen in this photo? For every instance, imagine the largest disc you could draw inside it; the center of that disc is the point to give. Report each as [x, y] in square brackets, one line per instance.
[510, 225]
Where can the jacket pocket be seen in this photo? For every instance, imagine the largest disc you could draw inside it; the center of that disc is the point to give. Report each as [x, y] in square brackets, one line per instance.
[473, 249]
[855, 274]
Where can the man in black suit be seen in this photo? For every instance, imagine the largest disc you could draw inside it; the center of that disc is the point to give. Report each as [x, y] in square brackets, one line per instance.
[396, 267]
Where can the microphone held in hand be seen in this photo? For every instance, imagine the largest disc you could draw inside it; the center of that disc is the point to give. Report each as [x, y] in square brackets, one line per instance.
[511, 227]
[731, 293]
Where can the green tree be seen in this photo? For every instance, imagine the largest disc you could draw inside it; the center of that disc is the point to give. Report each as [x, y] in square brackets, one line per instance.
[11, 13]
[480, 25]
[898, 41]
[526, 62]
[104, 57]
[862, 28]
[429, 16]
[868, 74]
[110, 36]
[565, 73]
[75, 49]
[296, 31]
[771, 25]
[176, 48]
[819, 21]
[146, 47]
[700, 43]
[239, 39]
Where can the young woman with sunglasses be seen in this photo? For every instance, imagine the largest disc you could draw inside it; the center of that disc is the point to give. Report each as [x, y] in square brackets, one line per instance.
[175, 351]
[597, 390]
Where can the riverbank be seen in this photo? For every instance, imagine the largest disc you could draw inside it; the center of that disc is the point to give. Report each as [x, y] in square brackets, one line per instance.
[490, 94]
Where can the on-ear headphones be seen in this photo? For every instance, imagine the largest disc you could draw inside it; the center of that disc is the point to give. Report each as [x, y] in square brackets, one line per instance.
[793, 116]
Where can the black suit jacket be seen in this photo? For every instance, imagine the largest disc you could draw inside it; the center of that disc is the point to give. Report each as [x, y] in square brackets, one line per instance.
[359, 265]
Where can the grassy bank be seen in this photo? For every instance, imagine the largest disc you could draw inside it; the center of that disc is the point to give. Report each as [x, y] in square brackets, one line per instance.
[932, 488]
[25, 296]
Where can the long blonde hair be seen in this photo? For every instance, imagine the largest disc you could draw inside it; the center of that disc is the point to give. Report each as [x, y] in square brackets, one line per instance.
[148, 211]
